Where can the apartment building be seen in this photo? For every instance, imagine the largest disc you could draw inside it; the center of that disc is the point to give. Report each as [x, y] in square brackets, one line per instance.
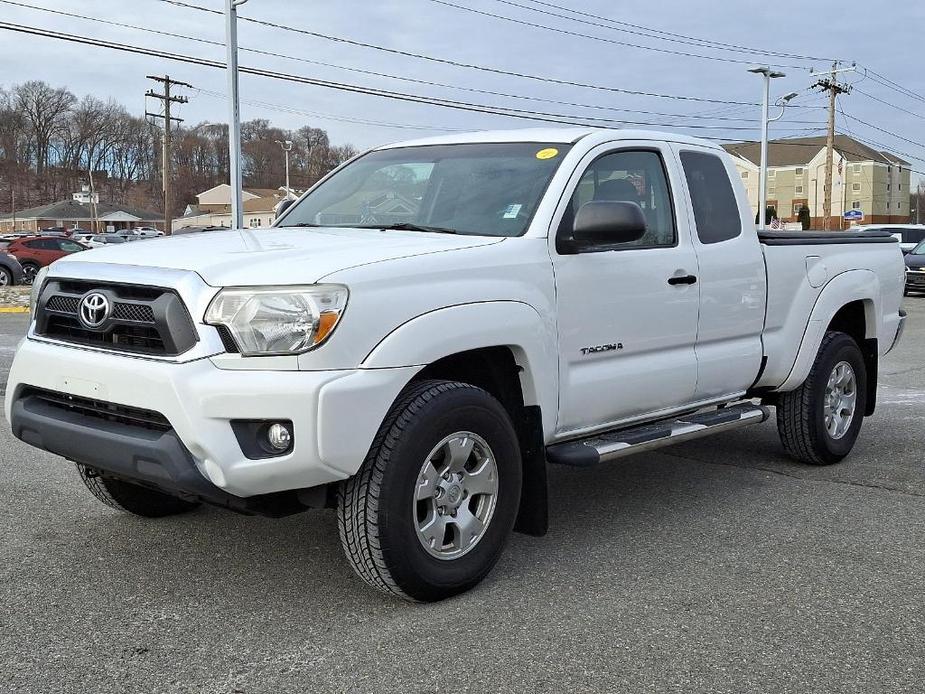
[873, 182]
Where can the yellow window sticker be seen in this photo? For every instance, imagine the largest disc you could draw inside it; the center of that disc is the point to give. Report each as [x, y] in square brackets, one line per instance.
[547, 153]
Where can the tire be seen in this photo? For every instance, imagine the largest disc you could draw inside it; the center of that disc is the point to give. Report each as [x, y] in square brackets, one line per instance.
[385, 511]
[6, 277]
[133, 498]
[29, 271]
[802, 420]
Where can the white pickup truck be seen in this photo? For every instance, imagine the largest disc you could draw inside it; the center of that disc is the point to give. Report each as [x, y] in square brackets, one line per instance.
[433, 323]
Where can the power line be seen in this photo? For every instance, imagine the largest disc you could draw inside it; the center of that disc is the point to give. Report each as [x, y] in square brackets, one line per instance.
[567, 32]
[649, 32]
[890, 84]
[887, 103]
[329, 116]
[540, 116]
[374, 73]
[885, 132]
[454, 63]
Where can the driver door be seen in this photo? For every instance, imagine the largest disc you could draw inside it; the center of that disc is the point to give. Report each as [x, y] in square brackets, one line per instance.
[627, 313]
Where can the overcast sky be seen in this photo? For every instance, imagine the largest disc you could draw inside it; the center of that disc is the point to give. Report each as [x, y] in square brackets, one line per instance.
[882, 36]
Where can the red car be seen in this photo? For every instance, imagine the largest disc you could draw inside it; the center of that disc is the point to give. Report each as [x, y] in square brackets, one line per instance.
[35, 252]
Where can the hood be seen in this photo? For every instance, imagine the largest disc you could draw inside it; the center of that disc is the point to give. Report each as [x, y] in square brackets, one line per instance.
[915, 262]
[274, 256]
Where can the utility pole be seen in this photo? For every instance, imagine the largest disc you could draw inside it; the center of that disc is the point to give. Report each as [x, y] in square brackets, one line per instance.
[831, 85]
[167, 98]
[234, 124]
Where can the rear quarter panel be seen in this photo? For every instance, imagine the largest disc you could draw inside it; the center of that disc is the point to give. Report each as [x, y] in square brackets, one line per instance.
[807, 285]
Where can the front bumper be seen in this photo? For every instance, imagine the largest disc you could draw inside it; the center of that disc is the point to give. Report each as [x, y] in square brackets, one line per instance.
[915, 280]
[335, 416]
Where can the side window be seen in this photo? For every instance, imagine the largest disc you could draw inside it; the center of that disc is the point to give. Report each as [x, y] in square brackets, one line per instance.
[35, 245]
[628, 176]
[716, 210]
[69, 246]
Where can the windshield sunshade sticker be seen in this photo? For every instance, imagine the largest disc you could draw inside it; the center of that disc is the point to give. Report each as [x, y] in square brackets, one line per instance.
[511, 211]
[548, 153]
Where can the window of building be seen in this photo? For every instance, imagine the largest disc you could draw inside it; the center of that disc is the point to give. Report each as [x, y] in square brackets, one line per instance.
[716, 210]
[745, 174]
[772, 173]
[799, 189]
[772, 191]
[857, 169]
[799, 172]
[797, 206]
[888, 186]
[889, 169]
[856, 187]
[899, 205]
[254, 222]
[856, 205]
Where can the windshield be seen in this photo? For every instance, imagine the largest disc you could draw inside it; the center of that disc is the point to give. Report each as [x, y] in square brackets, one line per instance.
[478, 189]
[919, 250]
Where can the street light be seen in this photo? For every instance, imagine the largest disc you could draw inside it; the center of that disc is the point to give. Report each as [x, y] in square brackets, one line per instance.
[768, 74]
[287, 147]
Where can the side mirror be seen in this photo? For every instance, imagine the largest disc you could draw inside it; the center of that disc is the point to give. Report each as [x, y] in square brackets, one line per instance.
[282, 206]
[606, 223]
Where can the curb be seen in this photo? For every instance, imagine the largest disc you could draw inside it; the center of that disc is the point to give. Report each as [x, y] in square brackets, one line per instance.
[14, 309]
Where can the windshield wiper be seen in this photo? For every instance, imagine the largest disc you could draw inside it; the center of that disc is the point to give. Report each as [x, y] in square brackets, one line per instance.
[301, 224]
[408, 226]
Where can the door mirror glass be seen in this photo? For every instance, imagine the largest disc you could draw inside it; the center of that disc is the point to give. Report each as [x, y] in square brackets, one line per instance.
[608, 223]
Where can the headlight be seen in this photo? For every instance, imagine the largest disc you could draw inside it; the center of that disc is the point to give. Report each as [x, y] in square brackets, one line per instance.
[278, 320]
[37, 283]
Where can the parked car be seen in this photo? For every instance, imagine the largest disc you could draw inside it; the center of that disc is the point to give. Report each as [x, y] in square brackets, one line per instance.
[98, 240]
[55, 231]
[908, 235]
[915, 269]
[83, 237]
[10, 269]
[147, 232]
[37, 252]
[556, 295]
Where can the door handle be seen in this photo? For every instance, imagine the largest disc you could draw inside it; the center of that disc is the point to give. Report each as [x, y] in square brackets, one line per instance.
[684, 279]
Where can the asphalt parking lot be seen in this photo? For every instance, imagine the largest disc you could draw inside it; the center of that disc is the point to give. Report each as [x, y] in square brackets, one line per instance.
[713, 566]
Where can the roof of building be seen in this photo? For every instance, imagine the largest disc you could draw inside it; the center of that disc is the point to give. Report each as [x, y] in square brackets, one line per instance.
[801, 150]
[73, 210]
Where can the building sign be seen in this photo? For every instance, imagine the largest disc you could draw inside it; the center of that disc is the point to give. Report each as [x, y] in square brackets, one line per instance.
[854, 215]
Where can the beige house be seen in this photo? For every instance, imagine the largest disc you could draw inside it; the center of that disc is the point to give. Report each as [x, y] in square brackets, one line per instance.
[875, 183]
[214, 207]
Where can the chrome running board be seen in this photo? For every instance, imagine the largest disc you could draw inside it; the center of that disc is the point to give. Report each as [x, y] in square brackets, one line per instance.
[609, 446]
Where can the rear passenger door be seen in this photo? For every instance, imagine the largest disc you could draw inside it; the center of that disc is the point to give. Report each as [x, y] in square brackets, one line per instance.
[733, 283]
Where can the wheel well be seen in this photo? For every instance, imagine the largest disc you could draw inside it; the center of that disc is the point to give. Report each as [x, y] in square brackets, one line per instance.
[491, 368]
[851, 319]
[495, 370]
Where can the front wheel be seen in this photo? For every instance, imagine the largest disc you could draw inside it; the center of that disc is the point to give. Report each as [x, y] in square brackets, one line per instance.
[819, 422]
[6, 277]
[429, 512]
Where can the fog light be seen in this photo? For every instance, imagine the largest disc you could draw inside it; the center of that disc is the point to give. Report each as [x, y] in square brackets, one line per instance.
[279, 437]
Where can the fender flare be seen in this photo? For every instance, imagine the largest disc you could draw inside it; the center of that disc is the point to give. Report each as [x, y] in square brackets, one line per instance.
[443, 332]
[841, 290]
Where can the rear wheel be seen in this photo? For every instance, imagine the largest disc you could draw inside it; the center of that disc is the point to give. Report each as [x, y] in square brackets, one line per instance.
[132, 498]
[6, 277]
[429, 512]
[819, 422]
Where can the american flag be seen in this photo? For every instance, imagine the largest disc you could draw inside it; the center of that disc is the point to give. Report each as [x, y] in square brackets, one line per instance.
[775, 224]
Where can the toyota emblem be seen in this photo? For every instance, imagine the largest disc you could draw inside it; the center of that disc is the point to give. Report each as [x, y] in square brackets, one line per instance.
[94, 309]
